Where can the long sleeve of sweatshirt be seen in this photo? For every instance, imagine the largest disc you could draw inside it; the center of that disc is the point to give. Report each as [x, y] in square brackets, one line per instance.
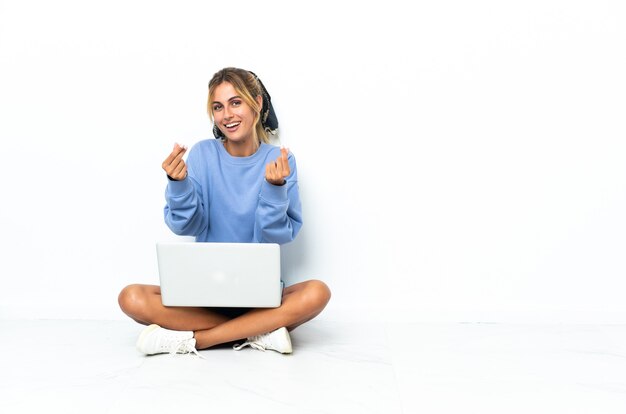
[185, 214]
[279, 212]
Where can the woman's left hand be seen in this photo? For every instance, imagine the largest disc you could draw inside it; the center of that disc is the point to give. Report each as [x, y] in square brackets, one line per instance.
[277, 171]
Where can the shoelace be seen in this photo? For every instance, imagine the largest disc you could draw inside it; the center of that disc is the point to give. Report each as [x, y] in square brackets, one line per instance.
[254, 342]
[186, 348]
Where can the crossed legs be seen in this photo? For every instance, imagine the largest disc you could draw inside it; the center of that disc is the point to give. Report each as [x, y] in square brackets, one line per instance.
[300, 303]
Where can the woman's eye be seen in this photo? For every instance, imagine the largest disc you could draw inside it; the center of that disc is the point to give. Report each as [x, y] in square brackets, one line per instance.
[217, 107]
[236, 103]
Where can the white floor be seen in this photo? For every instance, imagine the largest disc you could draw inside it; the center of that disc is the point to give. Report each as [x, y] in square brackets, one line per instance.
[92, 367]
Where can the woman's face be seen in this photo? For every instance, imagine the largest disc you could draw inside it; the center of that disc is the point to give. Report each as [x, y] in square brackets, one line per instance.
[232, 115]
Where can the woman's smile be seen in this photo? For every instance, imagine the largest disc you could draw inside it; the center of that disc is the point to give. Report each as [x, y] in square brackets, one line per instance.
[232, 127]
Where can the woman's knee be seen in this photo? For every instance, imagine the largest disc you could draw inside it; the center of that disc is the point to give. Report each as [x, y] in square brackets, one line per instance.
[132, 300]
[317, 294]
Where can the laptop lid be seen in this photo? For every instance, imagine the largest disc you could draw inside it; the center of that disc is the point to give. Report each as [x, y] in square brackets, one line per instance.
[220, 274]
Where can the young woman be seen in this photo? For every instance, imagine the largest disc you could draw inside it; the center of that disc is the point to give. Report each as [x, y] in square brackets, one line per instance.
[236, 188]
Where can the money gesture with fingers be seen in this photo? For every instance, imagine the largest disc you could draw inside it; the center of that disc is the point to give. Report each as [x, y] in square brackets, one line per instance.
[174, 165]
[277, 171]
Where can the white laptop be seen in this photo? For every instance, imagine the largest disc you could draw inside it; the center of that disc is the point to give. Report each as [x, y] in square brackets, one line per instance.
[245, 275]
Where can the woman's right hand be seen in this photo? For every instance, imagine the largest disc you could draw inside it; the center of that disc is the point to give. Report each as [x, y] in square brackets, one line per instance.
[174, 165]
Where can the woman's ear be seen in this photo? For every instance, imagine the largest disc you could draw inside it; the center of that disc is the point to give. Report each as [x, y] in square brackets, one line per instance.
[259, 100]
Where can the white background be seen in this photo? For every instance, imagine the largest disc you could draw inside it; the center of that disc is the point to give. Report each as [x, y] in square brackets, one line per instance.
[457, 160]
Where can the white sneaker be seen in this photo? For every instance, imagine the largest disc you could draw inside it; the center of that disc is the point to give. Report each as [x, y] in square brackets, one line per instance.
[277, 340]
[157, 340]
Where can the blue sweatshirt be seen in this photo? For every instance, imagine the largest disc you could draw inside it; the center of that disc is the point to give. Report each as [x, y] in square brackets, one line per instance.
[227, 199]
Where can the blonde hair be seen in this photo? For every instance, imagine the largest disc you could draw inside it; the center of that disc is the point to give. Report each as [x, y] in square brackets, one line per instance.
[247, 87]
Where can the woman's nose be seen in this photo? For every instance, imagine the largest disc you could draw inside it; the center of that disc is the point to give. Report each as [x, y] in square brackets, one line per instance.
[227, 113]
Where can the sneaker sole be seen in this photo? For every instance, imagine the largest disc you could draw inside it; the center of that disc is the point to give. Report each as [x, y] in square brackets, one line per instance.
[143, 335]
